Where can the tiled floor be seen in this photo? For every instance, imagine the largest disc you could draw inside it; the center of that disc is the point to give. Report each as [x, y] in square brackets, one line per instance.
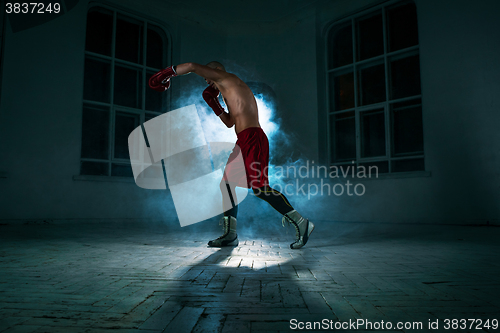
[154, 278]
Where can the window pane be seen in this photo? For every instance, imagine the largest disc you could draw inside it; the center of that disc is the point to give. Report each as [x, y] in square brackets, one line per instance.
[405, 77]
[99, 31]
[340, 46]
[128, 87]
[372, 168]
[129, 39]
[94, 168]
[157, 43]
[402, 27]
[407, 128]
[342, 87]
[121, 170]
[125, 123]
[155, 100]
[370, 34]
[408, 165]
[343, 136]
[97, 81]
[372, 133]
[95, 130]
[371, 83]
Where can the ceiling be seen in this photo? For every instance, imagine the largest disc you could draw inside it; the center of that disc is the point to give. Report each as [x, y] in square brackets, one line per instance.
[227, 12]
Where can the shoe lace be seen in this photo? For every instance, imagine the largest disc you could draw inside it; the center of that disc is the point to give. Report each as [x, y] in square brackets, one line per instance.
[288, 220]
[224, 222]
[284, 220]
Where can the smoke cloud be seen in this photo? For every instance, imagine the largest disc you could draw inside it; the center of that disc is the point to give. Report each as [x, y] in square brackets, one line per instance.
[255, 215]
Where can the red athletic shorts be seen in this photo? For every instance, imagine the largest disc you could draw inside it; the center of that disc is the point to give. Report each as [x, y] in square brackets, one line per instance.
[254, 147]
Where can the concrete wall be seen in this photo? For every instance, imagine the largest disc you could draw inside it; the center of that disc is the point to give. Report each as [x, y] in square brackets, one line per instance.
[459, 79]
[41, 110]
[285, 60]
[40, 122]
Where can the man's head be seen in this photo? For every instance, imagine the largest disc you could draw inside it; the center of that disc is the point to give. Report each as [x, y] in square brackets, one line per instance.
[216, 65]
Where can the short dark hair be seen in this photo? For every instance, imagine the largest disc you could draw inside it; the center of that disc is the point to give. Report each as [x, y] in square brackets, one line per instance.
[214, 64]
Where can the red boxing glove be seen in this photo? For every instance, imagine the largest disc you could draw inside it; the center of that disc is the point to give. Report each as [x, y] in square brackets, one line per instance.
[161, 80]
[210, 95]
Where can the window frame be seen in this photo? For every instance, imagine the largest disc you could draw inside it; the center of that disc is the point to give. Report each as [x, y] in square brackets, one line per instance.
[142, 66]
[353, 67]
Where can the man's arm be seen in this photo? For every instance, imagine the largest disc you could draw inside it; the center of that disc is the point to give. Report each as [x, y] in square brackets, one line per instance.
[161, 80]
[227, 119]
[201, 70]
[211, 96]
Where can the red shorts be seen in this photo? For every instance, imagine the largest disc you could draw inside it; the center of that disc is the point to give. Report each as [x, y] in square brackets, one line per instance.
[254, 147]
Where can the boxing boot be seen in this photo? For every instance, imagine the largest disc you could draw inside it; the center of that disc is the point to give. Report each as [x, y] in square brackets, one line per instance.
[229, 237]
[303, 228]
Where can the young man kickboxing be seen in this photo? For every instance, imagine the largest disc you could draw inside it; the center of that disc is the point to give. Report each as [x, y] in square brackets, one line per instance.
[252, 143]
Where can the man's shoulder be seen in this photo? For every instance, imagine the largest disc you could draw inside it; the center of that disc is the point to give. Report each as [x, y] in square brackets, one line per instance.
[233, 80]
[232, 76]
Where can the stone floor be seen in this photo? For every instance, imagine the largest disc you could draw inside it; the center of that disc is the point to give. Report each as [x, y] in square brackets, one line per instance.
[156, 278]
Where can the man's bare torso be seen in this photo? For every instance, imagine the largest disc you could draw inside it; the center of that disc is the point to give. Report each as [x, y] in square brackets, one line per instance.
[240, 102]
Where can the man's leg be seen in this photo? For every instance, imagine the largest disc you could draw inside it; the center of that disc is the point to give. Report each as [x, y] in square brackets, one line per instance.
[275, 198]
[229, 198]
[229, 236]
[279, 202]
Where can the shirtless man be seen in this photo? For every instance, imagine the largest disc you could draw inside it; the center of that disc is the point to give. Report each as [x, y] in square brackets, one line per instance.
[252, 143]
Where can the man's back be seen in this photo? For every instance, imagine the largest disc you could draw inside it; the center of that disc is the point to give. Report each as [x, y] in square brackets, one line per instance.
[241, 104]
[240, 101]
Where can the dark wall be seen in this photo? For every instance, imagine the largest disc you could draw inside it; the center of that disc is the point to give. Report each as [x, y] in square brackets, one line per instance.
[41, 112]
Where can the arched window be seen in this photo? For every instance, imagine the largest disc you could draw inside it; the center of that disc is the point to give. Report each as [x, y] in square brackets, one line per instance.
[121, 53]
[374, 96]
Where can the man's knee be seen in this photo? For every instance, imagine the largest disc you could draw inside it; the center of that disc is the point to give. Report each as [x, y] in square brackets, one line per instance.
[263, 191]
